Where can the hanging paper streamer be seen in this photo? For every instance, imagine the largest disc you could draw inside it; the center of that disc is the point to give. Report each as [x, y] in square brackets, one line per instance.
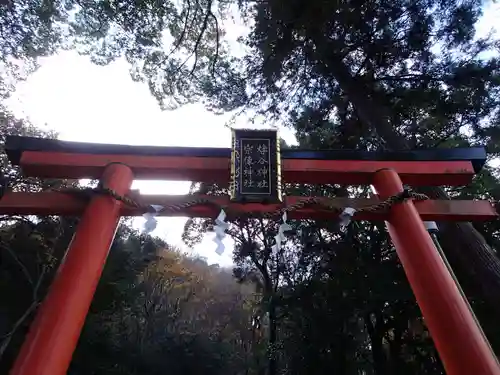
[280, 237]
[151, 222]
[346, 216]
[431, 226]
[220, 232]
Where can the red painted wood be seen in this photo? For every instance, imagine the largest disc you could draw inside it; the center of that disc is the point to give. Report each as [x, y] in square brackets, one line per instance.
[53, 335]
[53, 203]
[217, 170]
[458, 339]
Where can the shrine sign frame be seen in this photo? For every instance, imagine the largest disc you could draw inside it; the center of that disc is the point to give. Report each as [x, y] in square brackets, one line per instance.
[49, 345]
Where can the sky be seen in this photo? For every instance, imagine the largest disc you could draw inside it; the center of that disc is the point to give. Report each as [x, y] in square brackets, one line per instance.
[88, 103]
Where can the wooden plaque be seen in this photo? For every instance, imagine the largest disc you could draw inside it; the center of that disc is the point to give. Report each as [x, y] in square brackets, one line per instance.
[255, 166]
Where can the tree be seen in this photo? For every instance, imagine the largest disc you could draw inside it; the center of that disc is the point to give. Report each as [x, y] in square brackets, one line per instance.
[380, 74]
[178, 40]
[331, 301]
[154, 308]
[255, 264]
[178, 314]
[395, 75]
[351, 74]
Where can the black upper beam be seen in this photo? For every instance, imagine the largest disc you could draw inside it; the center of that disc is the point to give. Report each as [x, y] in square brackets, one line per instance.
[16, 145]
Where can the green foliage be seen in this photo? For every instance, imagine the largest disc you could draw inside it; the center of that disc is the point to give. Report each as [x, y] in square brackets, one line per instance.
[152, 312]
[348, 75]
[331, 301]
[167, 43]
[383, 75]
[155, 310]
[311, 64]
[169, 313]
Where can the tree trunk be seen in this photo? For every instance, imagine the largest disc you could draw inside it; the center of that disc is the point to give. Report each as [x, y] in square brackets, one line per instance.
[272, 337]
[376, 334]
[461, 240]
[396, 362]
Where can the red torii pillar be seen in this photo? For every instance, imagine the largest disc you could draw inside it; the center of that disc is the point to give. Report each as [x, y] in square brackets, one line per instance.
[458, 339]
[53, 336]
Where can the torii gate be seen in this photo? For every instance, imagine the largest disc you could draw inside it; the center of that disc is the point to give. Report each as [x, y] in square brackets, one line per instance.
[53, 336]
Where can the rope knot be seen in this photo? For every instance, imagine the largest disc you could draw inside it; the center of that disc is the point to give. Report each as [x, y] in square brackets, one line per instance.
[405, 194]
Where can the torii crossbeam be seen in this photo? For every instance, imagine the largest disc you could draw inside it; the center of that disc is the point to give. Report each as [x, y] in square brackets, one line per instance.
[53, 336]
